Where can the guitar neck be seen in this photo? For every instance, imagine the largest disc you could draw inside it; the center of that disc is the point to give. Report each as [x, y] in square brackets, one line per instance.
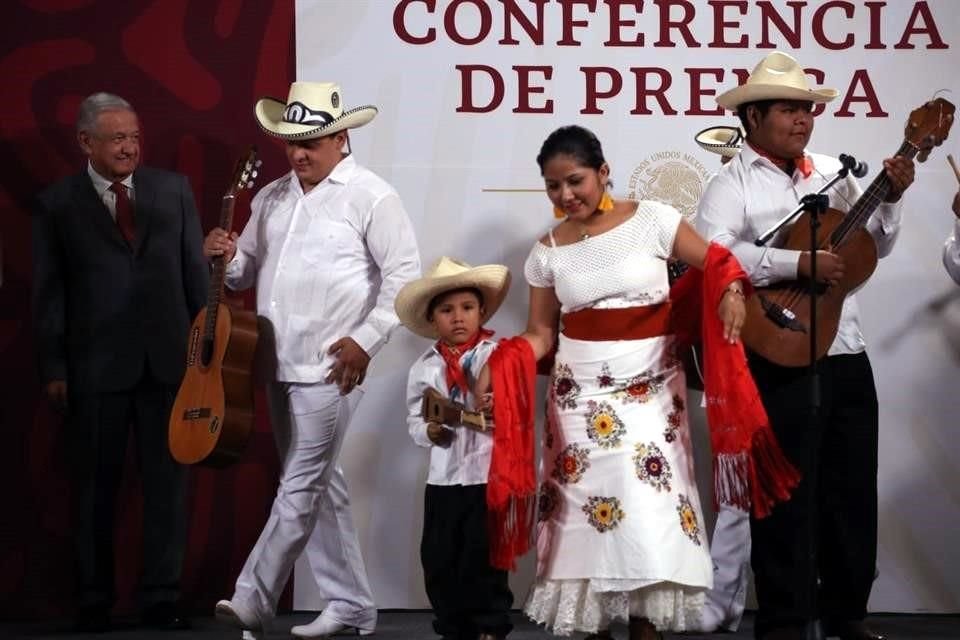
[864, 207]
[215, 290]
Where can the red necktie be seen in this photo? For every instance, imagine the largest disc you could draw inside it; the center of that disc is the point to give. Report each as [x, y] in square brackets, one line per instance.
[124, 213]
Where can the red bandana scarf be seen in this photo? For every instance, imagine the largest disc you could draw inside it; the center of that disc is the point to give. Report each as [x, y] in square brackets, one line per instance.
[456, 377]
[803, 164]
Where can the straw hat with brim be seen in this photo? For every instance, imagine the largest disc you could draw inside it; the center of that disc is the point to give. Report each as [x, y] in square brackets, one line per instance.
[727, 141]
[447, 274]
[312, 110]
[777, 77]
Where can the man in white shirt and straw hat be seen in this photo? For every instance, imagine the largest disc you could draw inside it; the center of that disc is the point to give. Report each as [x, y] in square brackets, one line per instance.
[328, 246]
[838, 454]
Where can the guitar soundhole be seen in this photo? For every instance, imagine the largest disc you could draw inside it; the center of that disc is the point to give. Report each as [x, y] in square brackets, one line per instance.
[215, 425]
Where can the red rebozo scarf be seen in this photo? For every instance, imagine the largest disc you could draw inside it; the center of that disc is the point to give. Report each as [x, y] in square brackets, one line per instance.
[750, 469]
[451, 357]
[512, 481]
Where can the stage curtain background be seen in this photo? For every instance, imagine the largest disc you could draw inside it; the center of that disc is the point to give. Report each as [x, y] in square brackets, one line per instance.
[192, 70]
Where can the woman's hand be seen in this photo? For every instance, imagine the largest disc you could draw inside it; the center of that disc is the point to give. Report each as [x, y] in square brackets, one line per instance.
[485, 405]
[732, 311]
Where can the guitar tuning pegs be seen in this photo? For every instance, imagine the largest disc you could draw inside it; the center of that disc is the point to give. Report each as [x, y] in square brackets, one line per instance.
[250, 185]
[254, 174]
[258, 163]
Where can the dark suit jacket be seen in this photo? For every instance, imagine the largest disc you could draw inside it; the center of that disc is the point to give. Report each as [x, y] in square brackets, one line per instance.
[102, 310]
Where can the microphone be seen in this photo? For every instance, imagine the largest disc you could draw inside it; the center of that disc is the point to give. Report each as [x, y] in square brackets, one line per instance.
[858, 169]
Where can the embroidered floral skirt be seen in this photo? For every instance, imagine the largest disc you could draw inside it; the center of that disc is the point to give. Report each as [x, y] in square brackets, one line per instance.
[621, 529]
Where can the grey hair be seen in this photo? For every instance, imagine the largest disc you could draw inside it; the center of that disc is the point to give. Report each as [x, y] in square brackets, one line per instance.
[93, 105]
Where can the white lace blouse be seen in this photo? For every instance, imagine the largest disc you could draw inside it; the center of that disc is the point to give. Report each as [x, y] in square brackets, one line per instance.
[622, 267]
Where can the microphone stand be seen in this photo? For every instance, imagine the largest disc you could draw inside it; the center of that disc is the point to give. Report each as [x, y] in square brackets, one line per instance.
[815, 204]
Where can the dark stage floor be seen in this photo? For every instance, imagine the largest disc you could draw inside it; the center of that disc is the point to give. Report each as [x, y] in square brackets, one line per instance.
[410, 625]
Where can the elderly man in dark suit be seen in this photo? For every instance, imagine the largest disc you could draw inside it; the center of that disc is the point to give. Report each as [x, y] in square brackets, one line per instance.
[118, 276]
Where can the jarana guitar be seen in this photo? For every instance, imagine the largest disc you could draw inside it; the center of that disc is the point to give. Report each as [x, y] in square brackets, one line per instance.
[213, 414]
[778, 317]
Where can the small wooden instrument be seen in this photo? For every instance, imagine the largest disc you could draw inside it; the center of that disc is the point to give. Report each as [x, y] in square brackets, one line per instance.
[778, 316]
[213, 414]
[437, 408]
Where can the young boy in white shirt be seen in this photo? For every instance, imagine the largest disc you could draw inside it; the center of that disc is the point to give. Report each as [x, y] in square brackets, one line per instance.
[471, 600]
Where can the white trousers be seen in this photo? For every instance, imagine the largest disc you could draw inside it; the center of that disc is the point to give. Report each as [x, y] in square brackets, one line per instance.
[311, 509]
[730, 551]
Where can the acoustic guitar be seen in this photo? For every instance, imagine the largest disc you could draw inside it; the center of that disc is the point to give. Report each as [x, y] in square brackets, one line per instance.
[778, 316]
[213, 414]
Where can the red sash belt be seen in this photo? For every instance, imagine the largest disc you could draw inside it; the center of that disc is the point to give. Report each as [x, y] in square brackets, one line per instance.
[630, 323]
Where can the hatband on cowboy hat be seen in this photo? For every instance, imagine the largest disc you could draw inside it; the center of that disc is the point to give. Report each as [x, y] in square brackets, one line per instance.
[448, 274]
[778, 77]
[727, 141]
[312, 110]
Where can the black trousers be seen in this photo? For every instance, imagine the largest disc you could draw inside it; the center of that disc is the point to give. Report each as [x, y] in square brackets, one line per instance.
[100, 425]
[833, 512]
[469, 597]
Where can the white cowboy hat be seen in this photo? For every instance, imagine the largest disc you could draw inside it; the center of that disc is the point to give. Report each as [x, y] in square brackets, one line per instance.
[447, 274]
[727, 141]
[312, 110]
[777, 77]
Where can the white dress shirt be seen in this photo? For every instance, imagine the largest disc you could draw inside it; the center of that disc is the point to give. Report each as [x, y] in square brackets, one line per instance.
[951, 253]
[102, 186]
[750, 194]
[327, 264]
[466, 460]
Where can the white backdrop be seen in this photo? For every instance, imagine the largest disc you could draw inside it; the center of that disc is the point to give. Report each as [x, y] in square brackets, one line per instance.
[470, 183]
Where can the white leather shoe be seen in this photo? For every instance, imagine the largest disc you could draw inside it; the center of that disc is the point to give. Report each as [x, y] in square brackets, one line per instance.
[709, 621]
[322, 628]
[236, 616]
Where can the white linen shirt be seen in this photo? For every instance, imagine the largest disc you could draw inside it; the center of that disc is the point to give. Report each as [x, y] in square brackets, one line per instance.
[327, 264]
[750, 194]
[951, 253]
[466, 461]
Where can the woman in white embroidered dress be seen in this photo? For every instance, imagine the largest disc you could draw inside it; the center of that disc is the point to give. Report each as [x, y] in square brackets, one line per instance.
[621, 532]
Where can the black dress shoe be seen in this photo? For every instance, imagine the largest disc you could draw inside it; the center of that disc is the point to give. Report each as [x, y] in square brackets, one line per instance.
[851, 630]
[93, 618]
[164, 616]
